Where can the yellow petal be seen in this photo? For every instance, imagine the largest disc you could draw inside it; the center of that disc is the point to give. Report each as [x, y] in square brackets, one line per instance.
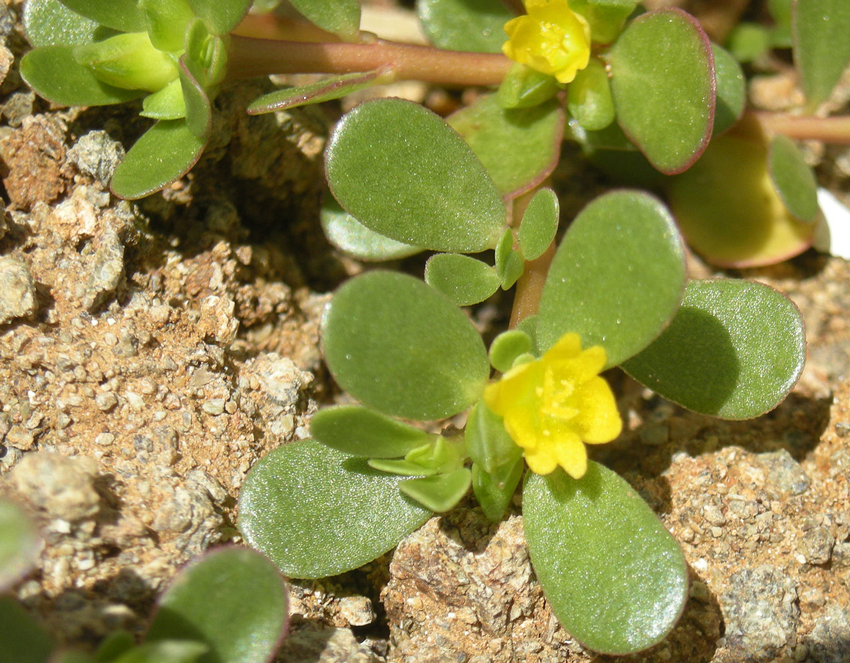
[542, 461]
[598, 420]
[572, 456]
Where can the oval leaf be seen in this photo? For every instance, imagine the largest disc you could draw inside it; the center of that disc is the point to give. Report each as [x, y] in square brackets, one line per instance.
[359, 431]
[617, 277]
[488, 443]
[615, 578]
[317, 512]
[121, 15]
[519, 147]
[165, 153]
[220, 17]
[662, 80]
[495, 496]
[728, 209]
[350, 236]
[441, 492]
[731, 90]
[233, 600]
[54, 74]
[506, 347]
[326, 89]
[50, 23]
[821, 47]
[399, 346]
[539, 224]
[794, 180]
[19, 543]
[734, 350]
[342, 17]
[403, 172]
[462, 279]
[465, 25]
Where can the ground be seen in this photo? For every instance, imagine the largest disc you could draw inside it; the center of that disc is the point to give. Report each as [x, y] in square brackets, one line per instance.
[153, 351]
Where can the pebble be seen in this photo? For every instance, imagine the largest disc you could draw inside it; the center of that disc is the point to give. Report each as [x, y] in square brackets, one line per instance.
[816, 545]
[17, 291]
[63, 487]
[324, 644]
[356, 610]
[784, 473]
[105, 401]
[107, 272]
[828, 642]
[97, 155]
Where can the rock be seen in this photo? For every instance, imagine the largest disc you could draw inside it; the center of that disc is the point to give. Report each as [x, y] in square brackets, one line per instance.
[761, 613]
[217, 319]
[784, 473]
[829, 641]
[189, 519]
[816, 545]
[34, 154]
[17, 291]
[324, 645]
[96, 154]
[356, 610]
[279, 383]
[107, 272]
[63, 487]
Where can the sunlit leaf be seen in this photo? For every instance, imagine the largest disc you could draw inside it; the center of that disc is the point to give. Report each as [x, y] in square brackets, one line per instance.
[589, 97]
[167, 21]
[662, 80]
[326, 89]
[462, 279]
[342, 17]
[821, 47]
[487, 442]
[439, 493]
[734, 350]
[794, 180]
[465, 25]
[602, 284]
[509, 261]
[506, 347]
[403, 172]
[731, 90]
[380, 344]
[494, 496]
[166, 651]
[50, 23]
[614, 577]
[359, 431]
[121, 15]
[539, 224]
[220, 17]
[316, 512]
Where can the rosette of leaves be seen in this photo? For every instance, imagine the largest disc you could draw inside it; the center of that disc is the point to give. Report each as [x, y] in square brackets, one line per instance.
[170, 53]
[727, 348]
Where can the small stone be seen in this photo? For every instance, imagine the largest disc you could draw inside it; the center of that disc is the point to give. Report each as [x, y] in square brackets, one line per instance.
[784, 473]
[714, 515]
[136, 401]
[842, 429]
[217, 319]
[816, 545]
[97, 155]
[356, 610]
[63, 487]
[20, 438]
[107, 273]
[324, 644]
[828, 640]
[105, 401]
[214, 406]
[17, 291]
[104, 439]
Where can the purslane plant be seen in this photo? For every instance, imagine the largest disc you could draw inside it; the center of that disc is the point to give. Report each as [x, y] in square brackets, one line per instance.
[228, 607]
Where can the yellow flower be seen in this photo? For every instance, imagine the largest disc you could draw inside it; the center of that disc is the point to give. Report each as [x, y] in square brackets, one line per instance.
[551, 39]
[556, 404]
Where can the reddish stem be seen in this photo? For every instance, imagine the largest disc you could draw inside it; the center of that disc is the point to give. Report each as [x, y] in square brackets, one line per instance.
[835, 130]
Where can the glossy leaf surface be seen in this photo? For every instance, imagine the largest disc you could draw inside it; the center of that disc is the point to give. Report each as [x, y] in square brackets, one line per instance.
[316, 512]
[462, 279]
[165, 153]
[728, 209]
[821, 47]
[731, 89]
[662, 81]
[54, 74]
[121, 15]
[359, 431]
[506, 347]
[465, 25]
[519, 147]
[539, 224]
[382, 346]
[350, 236]
[50, 23]
[603, 283]
[615, 578]
[232, 600]
[220, 17]
[734, 350]
[342, 17]
[439, 493]
[327, 89]
[19, 543]
[24, 640]
[794, 180]
[403, 172]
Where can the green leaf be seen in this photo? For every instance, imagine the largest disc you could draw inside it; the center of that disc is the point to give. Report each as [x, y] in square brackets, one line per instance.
[128, 61]
[403, 172]
[50, 23]
[780, 12]
[495, 496]
[731, 90]
[506, 347]
[617, 277]
[794, 180]
[509, 262]
[19, 543]
[326, 89]
[523, 88]
[316, 512]
[232, 600]
[614, 577]
[519, 147]
[488, 443]
[198, 105]
[402, 467]
[347, 234]
[749, 41]
[728, 208]
[54, 74]
[439, 493]
[821, 47]
[662, 80]
[606, 17]
[114, 645]
[167, 651]
[24, 641]
[589, 97]
[220, 17]
[359, 431]
[121, 15]
[167, 104]
[465, 25]
[165, 153]
[462, 279]
[539, 224]
[400, 347]
[528, 325]
[72, 656]
[167, 21]
[734, 350]
[342, 17]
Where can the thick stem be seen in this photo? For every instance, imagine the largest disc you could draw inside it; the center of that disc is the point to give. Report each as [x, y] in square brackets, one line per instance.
[835, 130]
[529, 287]
[250, 57]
